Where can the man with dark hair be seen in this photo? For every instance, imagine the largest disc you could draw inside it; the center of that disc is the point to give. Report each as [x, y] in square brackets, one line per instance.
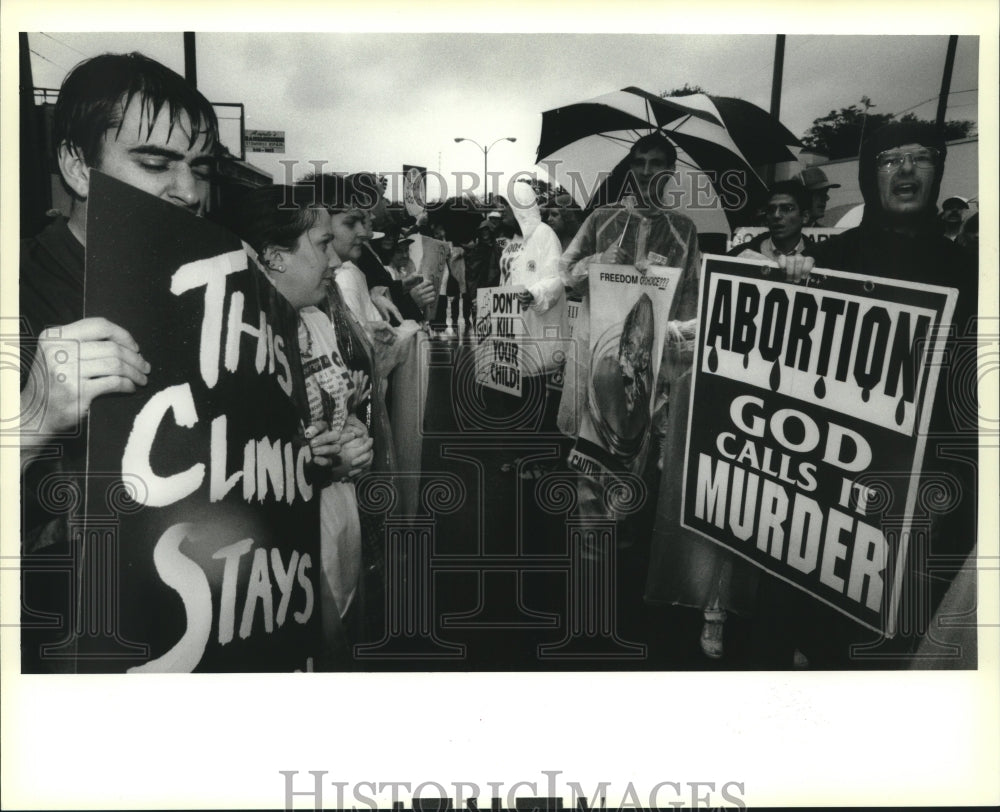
[785, 212]
[141, 123]
[137, 121]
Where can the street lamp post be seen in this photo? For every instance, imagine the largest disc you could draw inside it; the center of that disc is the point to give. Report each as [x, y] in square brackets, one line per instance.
[486, 152]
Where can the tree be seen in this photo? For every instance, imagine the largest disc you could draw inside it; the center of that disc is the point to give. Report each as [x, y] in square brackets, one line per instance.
[838, 134]
[687, 90]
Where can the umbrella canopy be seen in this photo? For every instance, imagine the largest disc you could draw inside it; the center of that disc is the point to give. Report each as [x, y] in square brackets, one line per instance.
[713, 134]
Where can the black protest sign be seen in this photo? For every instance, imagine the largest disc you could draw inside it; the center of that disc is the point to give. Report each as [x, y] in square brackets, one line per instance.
[810, 408]
[201, 517]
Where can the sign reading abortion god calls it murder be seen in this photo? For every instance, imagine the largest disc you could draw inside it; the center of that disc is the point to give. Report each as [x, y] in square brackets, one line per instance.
[213, 556]
[810, 408]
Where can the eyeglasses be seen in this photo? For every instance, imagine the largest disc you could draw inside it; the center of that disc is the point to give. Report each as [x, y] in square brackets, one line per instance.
[780, 208]
[889, 161]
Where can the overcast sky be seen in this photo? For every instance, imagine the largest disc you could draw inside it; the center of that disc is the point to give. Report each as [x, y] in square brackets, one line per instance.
[377, 101]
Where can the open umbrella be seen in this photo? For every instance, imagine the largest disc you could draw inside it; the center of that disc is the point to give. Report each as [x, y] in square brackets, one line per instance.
[722, 137]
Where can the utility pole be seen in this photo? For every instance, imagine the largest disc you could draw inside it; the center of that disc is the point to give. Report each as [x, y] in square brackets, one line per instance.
[864, 120]
[949, 64]
[779, 67]
[190, 61]
[34, 169]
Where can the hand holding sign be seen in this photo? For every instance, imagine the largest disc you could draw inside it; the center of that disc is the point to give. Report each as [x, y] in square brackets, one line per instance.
[383, 332]
[796, 268]
[423, 294]
[384, 305]
[356, 450]
[325, 444]
[613, 255]
[525, 297]
[80, 361]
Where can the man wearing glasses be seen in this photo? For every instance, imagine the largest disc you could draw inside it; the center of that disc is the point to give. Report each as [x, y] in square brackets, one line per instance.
[785, 213]
[901, 237]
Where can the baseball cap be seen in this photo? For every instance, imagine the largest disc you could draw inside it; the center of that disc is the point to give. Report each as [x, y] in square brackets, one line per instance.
[950, 202]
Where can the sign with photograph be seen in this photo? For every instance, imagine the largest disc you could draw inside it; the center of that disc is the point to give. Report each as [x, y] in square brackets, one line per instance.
[430, 259]
[628, 320]
[414, 189]
[201, 518]
[811, 400]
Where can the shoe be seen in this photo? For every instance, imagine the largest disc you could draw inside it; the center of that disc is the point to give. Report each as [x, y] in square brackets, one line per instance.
[711, 638]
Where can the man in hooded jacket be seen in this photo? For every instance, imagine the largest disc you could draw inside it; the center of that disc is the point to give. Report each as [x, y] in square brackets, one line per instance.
[899, 170]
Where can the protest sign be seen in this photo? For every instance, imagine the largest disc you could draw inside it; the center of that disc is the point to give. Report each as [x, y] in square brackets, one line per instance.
[414, 189]
[628, 319]
[429, 258]
[572, 313]
[201, 518]
[746, 233]
[810, 407]
[500, 332]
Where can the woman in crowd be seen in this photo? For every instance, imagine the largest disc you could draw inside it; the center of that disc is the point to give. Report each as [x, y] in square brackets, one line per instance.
[530, 262]
[294, 249]
[564, 217]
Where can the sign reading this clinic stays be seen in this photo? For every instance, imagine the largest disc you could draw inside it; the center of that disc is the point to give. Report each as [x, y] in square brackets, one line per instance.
[201, 521]
[810, 409]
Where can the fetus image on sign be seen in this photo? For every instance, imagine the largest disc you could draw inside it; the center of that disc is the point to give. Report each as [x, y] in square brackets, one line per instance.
[621, 382]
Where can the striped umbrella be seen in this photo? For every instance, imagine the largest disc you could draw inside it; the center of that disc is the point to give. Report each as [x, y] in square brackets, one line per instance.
[722, 138]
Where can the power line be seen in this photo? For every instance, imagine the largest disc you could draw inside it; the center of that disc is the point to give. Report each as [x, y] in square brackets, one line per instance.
[932, 98]
[41, 56]
[65, 45]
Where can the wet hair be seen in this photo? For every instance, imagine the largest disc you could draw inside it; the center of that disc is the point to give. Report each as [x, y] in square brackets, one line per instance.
[795, 190]
[274, 216]
[654, 141]
[96, 94]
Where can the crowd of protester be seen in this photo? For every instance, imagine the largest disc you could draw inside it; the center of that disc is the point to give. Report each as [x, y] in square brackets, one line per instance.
[341, 258]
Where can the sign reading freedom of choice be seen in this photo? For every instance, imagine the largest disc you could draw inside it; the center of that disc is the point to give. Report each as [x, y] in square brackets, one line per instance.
[500, 333]
[628, 322]
[811, 402]
[217, 564]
